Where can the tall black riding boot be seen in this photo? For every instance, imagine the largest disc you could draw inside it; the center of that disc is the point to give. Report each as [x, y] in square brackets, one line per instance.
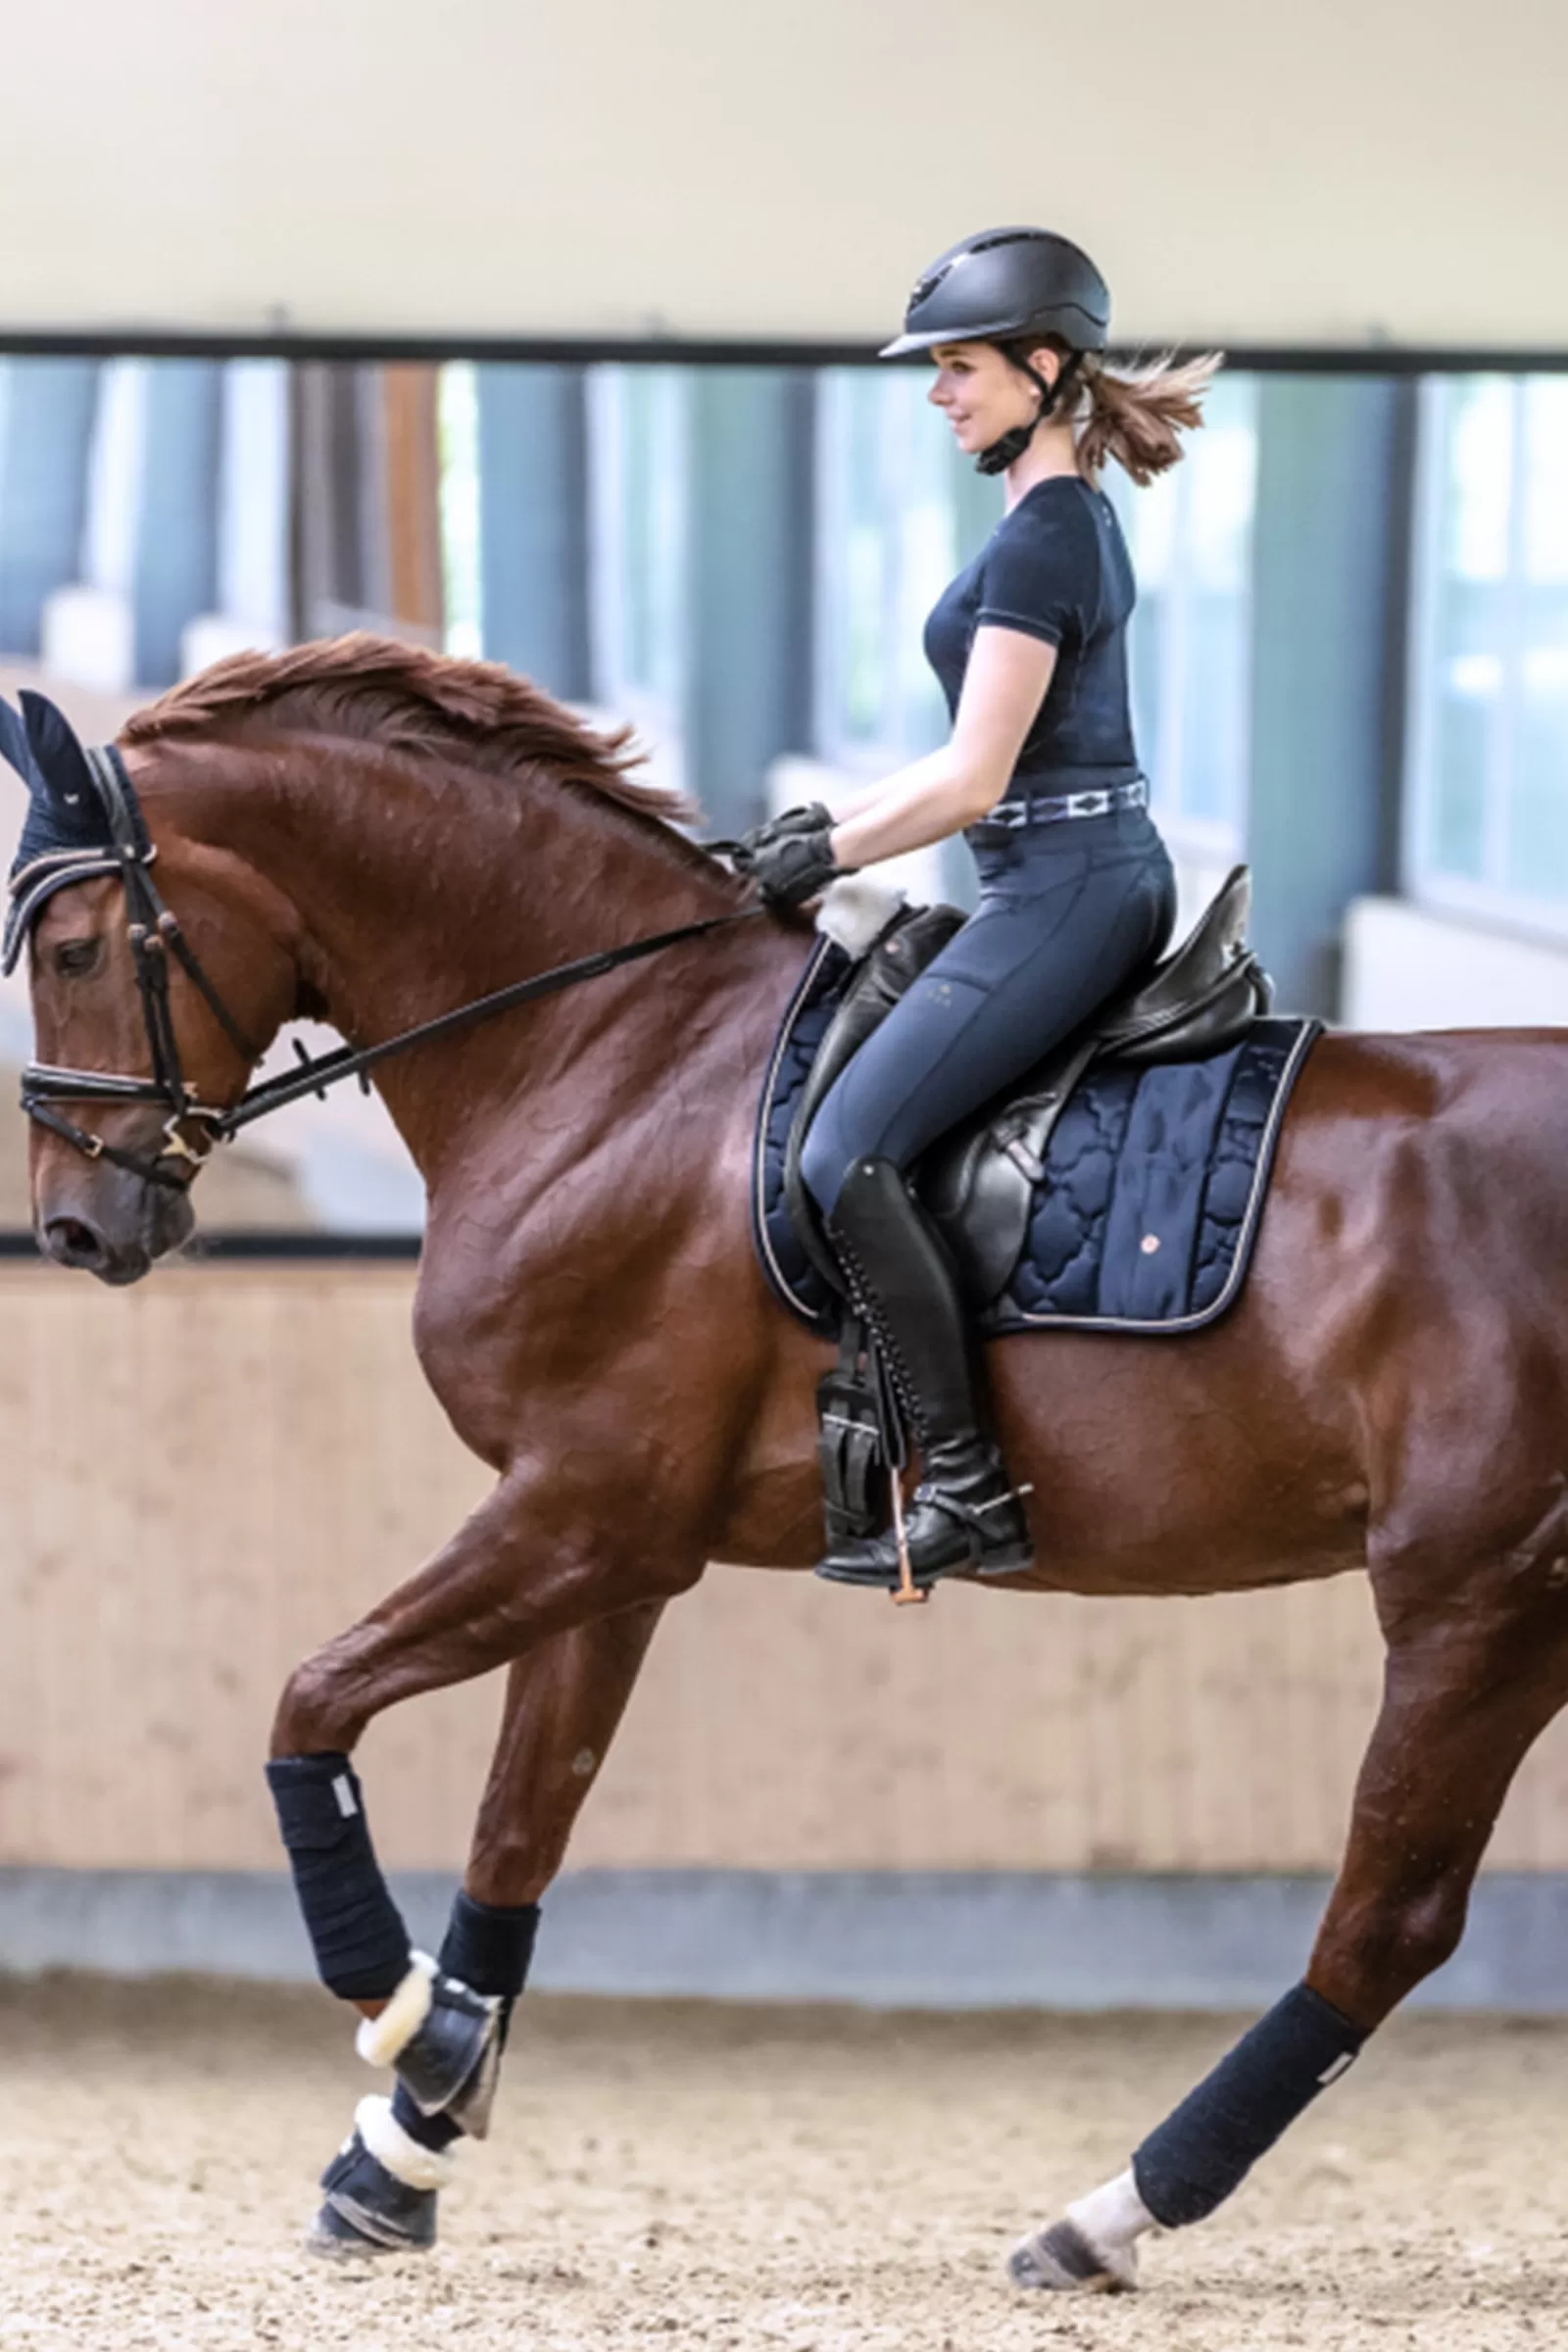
[965, 1514]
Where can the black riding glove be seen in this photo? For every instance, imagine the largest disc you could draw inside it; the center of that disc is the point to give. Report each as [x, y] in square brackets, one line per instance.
[790, 858]
[808, 819]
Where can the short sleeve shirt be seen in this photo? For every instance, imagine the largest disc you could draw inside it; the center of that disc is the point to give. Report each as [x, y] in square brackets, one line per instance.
[1057, 568]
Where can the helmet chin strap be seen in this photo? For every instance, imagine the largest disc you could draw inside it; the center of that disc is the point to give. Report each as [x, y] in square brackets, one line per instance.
[1004, 452]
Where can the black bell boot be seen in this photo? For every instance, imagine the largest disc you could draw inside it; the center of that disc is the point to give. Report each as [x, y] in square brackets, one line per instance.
[381, 2189]
[444, 2041]
[965, 1514]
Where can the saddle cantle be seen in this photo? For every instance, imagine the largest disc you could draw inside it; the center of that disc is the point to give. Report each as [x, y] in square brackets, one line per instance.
[1117, 1186]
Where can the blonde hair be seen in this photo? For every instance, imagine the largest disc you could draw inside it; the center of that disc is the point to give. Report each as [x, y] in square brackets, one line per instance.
[1135, 415]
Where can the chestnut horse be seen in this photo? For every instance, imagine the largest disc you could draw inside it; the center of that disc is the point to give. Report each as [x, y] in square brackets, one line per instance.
[369, 835]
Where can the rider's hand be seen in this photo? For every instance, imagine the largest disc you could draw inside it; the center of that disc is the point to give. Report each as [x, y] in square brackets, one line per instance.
[790, 858]
[808, 819]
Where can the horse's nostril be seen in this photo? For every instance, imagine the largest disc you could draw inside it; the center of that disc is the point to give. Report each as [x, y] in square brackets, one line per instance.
[71, 1241]
[78, 1243]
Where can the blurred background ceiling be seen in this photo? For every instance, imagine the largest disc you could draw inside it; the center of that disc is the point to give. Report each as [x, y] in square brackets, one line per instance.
[1362, 171]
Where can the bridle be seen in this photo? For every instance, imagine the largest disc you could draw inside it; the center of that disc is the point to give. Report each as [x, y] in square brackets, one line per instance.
[155, 936]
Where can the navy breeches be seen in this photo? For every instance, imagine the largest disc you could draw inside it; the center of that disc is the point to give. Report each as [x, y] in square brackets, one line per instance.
[1063, 923]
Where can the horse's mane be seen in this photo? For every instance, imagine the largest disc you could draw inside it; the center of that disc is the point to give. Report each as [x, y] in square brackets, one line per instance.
[376, 690]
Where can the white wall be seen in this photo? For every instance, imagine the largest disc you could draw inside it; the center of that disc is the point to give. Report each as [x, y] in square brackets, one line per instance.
[1408, 968]
[1359, 169]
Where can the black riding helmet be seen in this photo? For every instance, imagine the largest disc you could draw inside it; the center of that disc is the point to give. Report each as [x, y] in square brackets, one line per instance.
[1002, 285]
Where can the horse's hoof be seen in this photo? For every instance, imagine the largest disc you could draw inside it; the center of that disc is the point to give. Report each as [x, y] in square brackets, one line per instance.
[361, 2232]
[334, 2238]
[1062, 2260]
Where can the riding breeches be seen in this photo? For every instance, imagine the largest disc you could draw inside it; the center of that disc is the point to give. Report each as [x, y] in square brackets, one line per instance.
[1061, 925]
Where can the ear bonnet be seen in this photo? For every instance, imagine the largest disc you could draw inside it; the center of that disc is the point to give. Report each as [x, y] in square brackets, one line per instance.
[68, 836]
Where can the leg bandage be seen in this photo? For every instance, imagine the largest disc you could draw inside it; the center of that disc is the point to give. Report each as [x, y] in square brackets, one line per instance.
[1207, 2147]
[490, 1948]
[360, 1941]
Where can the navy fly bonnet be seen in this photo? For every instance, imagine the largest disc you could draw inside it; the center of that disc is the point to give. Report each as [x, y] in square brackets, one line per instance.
[68, 836]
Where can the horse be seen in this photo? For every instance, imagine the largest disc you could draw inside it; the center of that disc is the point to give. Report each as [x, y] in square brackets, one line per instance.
[371, 836]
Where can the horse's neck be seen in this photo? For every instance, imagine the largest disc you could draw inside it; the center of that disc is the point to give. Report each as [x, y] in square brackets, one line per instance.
[418, 892]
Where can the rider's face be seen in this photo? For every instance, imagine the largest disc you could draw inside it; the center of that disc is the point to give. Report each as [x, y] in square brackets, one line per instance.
[982, 394]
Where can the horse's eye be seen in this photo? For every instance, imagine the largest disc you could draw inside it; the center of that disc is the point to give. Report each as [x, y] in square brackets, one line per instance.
[76, 958]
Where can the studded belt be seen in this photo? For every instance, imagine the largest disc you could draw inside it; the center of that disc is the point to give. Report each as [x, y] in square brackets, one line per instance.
[1057, 809]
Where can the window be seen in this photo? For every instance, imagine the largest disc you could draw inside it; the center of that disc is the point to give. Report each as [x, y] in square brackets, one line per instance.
[457, 445]
[1487, 778]
[1190, 537]
[895, 521]
[639, 474]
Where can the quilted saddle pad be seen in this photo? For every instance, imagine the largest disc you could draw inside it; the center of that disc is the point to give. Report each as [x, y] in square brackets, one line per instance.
[1152, 1195]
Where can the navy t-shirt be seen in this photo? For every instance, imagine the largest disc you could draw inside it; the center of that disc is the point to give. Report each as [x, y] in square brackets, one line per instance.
[1056, 567]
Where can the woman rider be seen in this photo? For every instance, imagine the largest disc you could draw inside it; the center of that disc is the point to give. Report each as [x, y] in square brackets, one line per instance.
[1077, 893]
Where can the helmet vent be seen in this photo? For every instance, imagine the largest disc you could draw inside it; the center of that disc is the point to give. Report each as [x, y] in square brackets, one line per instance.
[928, 286]
[1011, 236]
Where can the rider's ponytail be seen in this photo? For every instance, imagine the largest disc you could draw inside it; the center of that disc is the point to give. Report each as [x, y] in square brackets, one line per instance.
[1138, 415]
[1134, 415]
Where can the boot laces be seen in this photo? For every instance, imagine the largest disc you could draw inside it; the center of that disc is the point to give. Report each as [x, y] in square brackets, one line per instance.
[866, 1305]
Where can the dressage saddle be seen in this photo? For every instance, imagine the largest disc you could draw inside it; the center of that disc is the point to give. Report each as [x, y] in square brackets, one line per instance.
[977, 1183]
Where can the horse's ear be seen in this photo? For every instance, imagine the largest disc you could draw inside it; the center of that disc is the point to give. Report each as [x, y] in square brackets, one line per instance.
[58, 757]
[15, 750]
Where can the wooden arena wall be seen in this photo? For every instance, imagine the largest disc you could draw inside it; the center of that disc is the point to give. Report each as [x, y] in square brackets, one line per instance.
[206, 1476]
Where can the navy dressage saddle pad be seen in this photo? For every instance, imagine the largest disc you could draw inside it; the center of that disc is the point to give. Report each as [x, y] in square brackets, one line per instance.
[1150, 1195]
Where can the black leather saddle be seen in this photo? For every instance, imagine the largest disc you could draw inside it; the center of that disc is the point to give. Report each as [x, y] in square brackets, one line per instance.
[978, 1182]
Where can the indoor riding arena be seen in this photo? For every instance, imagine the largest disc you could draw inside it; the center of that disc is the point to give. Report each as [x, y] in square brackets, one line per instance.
[454, 1885]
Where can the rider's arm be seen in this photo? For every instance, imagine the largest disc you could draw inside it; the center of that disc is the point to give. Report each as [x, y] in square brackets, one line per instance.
[1004, 688]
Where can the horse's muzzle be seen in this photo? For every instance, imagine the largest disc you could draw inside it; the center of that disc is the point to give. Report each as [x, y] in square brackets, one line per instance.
[106, 1221]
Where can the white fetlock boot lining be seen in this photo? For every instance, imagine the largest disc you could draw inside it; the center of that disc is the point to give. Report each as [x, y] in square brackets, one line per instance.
[403, 2157]
[381, 2041]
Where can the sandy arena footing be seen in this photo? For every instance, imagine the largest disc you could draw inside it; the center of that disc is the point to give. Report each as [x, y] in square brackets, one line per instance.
[809, 2180]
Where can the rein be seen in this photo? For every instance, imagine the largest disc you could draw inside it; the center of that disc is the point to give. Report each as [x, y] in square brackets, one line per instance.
[155, 935]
